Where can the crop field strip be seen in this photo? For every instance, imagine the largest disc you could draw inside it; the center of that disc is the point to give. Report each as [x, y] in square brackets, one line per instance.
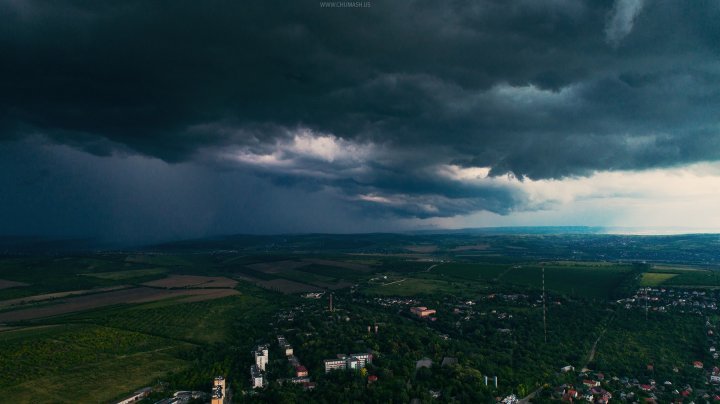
[306, 275]
[128, 274]
[193, 322]
[5, 304]
[123, 296]
[192, 281]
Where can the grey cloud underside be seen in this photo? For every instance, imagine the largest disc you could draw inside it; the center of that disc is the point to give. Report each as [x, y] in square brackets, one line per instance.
[546, 90]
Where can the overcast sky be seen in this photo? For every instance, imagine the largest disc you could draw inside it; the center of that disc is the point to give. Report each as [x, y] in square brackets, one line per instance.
[146, 121]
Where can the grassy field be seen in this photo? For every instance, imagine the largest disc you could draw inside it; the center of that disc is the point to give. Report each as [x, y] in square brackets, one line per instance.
[574, 280]
[701, 278]
[476, 272]
[681, 276]
[100, 381]
[197, 322]
[655, 278]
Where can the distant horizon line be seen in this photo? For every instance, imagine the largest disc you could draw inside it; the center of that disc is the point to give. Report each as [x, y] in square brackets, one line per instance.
[549, 229]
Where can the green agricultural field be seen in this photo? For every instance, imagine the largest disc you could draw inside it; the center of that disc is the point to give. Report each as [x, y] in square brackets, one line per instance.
[697, 278]
[304, 277]
[476, 272]
[681, 276]
[577, 282]
[332, 272]
[675, 268]
[655, 279]
[584, 264]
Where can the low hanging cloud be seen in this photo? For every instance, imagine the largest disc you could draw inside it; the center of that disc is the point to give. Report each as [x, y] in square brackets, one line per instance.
[372, 105]
[621, 20]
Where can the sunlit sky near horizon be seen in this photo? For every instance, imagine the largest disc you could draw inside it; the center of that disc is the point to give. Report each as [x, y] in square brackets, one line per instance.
[141, 121]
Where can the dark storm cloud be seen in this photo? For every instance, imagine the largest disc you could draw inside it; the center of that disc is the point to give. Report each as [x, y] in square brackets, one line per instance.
[536, 89]
[57, 191]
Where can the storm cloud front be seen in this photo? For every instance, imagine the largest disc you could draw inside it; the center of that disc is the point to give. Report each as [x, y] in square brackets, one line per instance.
[160, 120]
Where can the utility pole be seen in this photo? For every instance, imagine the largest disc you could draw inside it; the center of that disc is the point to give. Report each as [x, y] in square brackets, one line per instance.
[544, 307]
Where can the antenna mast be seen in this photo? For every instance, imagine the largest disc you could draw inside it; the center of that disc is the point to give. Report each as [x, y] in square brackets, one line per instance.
[544, 307]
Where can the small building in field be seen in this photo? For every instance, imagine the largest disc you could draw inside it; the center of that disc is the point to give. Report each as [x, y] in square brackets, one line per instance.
[422, 311]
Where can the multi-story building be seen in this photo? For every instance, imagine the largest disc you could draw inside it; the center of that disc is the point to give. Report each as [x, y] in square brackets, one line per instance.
[261, 356]
[352, 361]
[256, 377]
[362, 358]
[218, 391]
[333, 364]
